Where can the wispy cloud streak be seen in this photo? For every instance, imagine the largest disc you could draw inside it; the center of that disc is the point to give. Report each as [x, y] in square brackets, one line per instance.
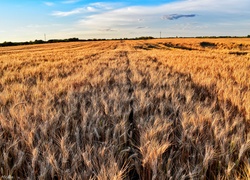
[70, 1]
[88, 8]
[69, 13]
[178, 16]
[49, 3]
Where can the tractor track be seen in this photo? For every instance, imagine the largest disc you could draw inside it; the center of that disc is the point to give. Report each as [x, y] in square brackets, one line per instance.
[133, 140]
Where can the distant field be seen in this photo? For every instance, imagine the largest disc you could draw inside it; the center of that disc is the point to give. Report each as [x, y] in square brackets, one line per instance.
[142, 109]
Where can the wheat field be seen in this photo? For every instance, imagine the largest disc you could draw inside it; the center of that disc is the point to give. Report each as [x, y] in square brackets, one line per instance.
[144, 109]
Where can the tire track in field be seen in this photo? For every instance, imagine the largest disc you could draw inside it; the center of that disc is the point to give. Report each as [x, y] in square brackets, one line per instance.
[133, 141]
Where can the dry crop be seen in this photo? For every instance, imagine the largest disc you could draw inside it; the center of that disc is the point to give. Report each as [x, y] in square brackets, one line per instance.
[154, 109]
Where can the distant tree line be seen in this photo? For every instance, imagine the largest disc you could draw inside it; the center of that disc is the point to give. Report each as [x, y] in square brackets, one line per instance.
[248, 36]
[66, 40]
[37, 42]
[77, 39]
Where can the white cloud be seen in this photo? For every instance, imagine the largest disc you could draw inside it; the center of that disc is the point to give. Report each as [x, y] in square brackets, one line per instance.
[106, 6]
[211, 10]
[70, 1]
[118, 20]
[49, 3]
[89, 8]
[69, 13]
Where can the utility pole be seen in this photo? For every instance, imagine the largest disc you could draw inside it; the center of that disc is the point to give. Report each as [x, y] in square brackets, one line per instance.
[160, 34]
[44, 37]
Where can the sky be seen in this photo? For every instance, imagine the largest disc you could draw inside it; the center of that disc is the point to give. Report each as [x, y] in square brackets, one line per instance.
[28, 20]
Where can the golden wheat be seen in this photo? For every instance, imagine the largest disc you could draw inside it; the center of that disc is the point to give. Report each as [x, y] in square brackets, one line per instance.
[154, 109]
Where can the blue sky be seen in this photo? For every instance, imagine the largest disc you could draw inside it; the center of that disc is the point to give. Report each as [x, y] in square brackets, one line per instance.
[25, 20]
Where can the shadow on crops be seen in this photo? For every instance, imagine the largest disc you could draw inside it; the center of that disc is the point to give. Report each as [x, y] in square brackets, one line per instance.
[178, 46]
[205, 44]
[189, 137]
[100, 125]
[238, 53]
[147, 46]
